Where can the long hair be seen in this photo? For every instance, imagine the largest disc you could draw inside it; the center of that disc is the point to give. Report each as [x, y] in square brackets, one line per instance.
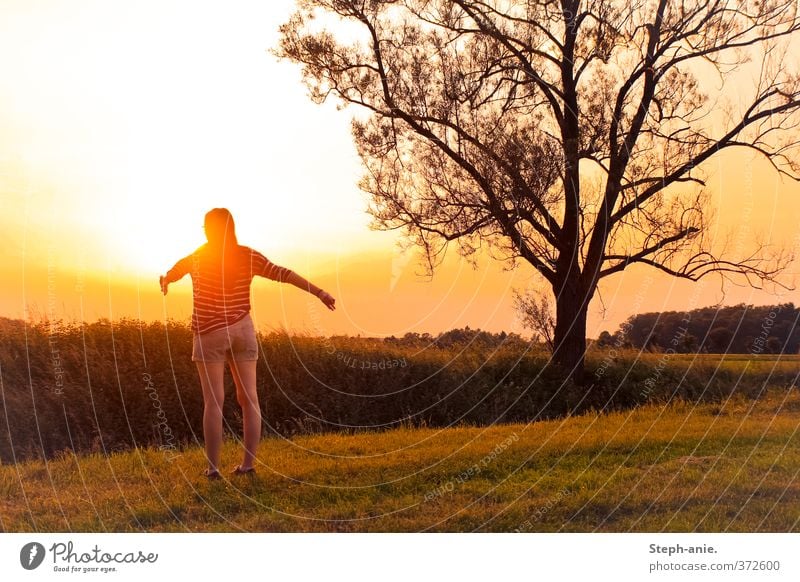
[223, 247]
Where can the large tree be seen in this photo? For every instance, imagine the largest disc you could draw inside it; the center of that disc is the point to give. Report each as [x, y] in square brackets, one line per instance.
[567, 134]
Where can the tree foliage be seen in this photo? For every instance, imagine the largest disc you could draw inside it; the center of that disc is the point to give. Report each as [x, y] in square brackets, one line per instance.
[567, 134]
[739, 329]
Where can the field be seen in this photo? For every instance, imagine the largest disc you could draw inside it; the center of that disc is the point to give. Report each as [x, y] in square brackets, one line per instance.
[732, 466]
[100, 430]
[108, 387]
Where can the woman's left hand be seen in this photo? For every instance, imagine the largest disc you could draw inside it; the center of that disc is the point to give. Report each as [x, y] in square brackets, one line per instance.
[328, 300]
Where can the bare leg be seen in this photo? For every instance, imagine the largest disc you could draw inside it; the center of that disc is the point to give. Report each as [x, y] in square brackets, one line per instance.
[244, 376]
[211, 378]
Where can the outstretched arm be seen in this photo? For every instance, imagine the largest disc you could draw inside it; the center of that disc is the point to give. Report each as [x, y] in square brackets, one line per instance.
[175, 273]
[266, 268]
[301, 283]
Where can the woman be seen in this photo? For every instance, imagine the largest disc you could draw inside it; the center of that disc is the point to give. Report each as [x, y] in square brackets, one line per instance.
[223, 330]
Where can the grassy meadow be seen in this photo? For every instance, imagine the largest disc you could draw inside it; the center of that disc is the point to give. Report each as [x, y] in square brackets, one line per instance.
[732, 466]
[106, 387]
[101, 430]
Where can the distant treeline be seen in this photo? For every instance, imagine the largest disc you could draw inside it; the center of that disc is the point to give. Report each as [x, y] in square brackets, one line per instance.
[460, 337]
[741, 329]
[108, 386]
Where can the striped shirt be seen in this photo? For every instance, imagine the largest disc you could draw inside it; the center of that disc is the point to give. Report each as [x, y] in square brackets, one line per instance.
[217, 305]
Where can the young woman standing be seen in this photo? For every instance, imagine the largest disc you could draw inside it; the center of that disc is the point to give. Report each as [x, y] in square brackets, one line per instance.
[223, 331]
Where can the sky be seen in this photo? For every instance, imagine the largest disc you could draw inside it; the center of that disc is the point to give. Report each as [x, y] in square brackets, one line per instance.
[122, 123]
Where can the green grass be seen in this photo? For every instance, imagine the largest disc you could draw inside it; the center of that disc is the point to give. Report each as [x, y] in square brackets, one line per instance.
[750, 363]
[730, 466]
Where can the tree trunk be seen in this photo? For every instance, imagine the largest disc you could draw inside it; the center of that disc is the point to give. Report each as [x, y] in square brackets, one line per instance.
[569, 342]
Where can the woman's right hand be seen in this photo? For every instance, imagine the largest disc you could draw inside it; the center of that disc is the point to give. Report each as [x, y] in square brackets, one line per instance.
[162, 280]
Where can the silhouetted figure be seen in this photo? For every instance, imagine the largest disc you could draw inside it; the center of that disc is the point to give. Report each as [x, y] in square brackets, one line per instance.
[223, 330]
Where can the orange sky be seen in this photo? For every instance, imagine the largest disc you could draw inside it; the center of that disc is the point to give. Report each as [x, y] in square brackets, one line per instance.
[121, 124]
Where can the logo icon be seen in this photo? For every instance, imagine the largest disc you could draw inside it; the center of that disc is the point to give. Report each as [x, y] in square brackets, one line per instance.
[399, 262]
[32, 555]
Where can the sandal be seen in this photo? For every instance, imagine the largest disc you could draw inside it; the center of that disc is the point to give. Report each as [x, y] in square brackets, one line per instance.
[212, 475]
[239, 471]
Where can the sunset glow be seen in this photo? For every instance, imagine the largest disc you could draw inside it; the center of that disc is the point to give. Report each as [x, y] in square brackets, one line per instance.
[123, 123]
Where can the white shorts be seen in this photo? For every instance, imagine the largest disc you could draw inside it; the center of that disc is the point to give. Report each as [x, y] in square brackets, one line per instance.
[236, 342]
